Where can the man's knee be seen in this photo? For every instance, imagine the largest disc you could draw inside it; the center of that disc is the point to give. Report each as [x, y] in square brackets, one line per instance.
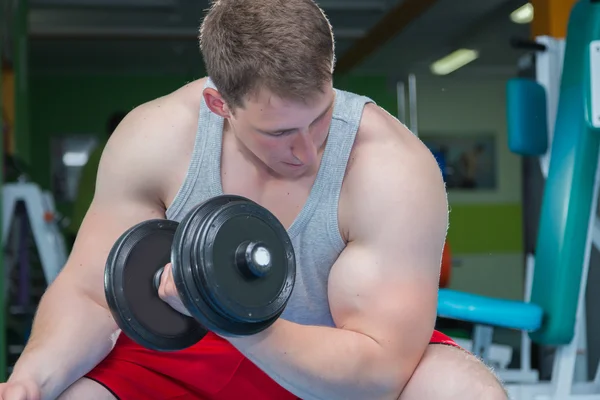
[447, 372]
[86, 389]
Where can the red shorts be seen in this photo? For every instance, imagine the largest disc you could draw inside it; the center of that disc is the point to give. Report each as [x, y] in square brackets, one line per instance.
[212, 369]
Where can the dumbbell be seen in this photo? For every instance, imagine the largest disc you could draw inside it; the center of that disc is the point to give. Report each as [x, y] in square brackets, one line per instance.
[233, 264]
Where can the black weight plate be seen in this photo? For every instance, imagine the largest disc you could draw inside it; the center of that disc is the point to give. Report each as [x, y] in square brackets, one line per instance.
[222, 297]
[240, 296]
[183, 273]
[133, 300]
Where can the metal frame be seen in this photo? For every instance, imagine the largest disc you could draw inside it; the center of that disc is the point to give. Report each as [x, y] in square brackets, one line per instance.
[41, 212]
[595, 83]
[412, 122]
[548, 72]
[568, 382]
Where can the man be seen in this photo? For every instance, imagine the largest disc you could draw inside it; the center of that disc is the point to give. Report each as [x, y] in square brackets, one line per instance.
[363, 201]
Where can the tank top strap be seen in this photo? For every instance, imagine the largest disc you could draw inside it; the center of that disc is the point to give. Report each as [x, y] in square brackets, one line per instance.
[203, 177]
[347, 114]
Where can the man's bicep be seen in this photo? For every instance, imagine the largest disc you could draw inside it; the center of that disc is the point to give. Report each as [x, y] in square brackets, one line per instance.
[386, 294]
[385, 282]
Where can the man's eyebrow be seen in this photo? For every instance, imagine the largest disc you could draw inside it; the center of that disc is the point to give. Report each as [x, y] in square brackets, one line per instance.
[273, 131]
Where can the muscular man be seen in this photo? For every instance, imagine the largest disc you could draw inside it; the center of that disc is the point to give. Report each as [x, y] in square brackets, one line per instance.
[362, 199]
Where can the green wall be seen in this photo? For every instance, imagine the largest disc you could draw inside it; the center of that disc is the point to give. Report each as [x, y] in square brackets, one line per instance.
[82, 104]
[486, 228]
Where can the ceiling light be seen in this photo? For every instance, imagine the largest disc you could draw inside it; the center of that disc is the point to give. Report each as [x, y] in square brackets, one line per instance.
[454, 61]
[522, 15]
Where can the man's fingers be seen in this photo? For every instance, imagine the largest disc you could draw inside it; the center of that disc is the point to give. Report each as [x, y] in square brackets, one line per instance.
[15, 392]
[165, 278]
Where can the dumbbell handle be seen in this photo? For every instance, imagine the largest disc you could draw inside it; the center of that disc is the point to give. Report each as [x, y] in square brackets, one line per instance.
[156, 279]
[252, 258]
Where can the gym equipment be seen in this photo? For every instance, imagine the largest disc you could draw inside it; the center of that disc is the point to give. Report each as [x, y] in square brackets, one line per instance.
[43, 222]
[412, 103]
[527, 135]
[233, 265]
[553, 310]
[28, 212]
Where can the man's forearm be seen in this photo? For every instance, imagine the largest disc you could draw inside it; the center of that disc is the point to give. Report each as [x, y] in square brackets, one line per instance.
[70, 335]
[323, 363]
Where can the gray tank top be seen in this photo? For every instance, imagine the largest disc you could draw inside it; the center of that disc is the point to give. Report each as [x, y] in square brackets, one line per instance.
[314, 233]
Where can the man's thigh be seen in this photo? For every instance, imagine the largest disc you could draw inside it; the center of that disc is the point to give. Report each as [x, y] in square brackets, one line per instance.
[86, 389]
[448, 372]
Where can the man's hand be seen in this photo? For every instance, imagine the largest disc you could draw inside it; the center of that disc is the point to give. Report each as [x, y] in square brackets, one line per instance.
[22, 390]
[168, 292]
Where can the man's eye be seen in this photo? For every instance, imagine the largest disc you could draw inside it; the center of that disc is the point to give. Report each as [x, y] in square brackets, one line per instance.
[282, 133]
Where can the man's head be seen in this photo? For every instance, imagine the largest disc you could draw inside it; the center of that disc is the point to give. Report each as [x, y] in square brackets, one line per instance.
[284, 46]
[272, 63]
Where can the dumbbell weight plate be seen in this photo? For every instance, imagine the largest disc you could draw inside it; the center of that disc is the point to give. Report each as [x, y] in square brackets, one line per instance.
[220, 292]
[132, 298]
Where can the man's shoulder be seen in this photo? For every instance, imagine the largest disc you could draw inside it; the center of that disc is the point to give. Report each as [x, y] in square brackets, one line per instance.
[156, 138]
[385, 141]
[168, 119]
[177, 106]
[390, 167]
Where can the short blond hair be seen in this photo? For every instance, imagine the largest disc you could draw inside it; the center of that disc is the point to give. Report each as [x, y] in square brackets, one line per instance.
[284, 46]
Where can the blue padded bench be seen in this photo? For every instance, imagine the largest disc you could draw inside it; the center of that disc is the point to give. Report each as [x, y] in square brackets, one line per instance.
[489, 311]
[486, 313]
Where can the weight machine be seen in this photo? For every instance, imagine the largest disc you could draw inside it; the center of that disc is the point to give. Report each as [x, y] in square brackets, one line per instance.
[41, 219]
[555, 117]
[28, 217]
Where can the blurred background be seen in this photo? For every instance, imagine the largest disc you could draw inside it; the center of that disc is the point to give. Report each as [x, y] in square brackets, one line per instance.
[71, 67]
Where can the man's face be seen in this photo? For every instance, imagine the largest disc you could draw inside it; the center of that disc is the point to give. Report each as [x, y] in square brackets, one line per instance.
[287, 136]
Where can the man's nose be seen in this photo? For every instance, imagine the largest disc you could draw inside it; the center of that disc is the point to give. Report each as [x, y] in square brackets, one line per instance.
[304, 149]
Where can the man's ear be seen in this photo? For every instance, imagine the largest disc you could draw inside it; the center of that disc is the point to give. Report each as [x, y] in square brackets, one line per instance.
[216, 103]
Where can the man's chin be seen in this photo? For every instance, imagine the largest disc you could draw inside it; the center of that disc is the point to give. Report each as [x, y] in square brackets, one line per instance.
[289, 170]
